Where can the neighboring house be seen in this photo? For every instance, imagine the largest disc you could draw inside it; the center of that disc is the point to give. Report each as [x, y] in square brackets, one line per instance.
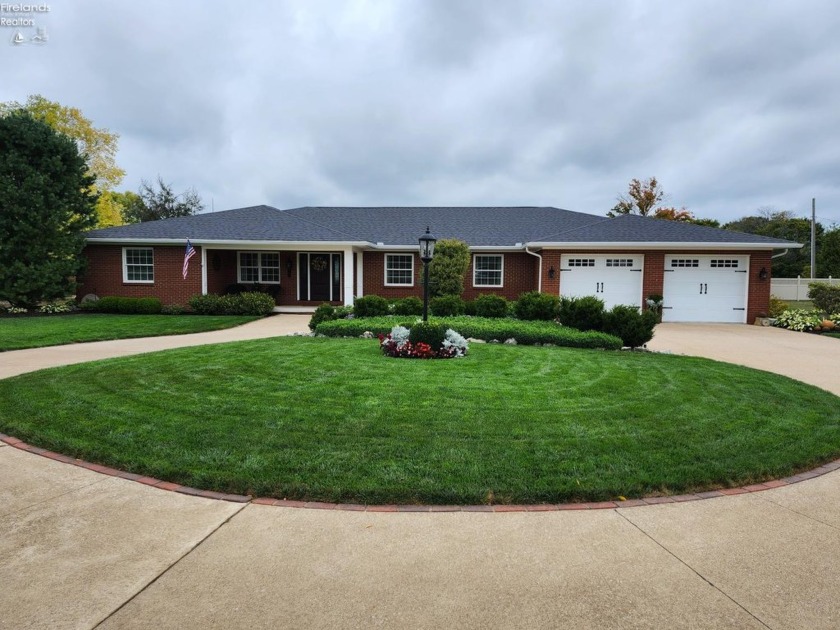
[315, 254]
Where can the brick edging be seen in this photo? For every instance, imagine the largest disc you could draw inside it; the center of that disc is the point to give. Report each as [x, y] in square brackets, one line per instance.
[356, 507]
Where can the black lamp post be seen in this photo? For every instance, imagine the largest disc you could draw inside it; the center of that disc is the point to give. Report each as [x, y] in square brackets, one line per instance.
[427, 252]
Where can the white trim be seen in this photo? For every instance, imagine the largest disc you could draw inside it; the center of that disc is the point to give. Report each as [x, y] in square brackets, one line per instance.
[203, 271]
[652, 245]
[501, 284]
[360, 268]
[349, 278]
[385, 267]
[259, 267]
[125, 266]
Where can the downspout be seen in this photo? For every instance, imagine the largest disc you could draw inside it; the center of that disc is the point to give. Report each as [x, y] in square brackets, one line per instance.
[539, 274]
[782, 254]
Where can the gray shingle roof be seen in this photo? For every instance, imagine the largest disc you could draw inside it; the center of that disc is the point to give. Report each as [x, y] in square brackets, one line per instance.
[402, 226]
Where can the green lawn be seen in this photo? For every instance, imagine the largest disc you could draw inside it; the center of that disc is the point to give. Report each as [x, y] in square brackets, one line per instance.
[35, 332]
[334, 420]
[833, 334]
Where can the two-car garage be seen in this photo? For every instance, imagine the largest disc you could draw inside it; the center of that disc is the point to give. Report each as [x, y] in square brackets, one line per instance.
[696, 288]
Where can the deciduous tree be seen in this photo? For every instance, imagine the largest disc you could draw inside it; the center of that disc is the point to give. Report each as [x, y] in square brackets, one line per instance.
[160, 203]
[47, 203]
[98, 145]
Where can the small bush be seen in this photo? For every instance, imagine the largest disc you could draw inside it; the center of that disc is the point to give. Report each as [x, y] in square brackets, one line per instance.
[777, 306]
[431, 333]
[446, 306]
[254, 303]
[634, 329]
[408, 306]
[469, 308]
[52, 308]
[370, 306]
[491, 306]
[583, 313]
[799, 320]
[172, 309]
[327, 312]
[534, 305]
[124, 305]
[826, 297]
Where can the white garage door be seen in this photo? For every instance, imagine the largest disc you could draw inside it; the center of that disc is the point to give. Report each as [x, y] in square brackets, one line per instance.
[705, 288]
[614, 278]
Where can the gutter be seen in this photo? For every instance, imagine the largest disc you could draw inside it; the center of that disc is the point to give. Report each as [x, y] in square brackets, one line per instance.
[539, 273]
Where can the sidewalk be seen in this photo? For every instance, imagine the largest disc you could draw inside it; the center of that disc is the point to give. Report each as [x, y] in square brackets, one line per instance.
[82, 550]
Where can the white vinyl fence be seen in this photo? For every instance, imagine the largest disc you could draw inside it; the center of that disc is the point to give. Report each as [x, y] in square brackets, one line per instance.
[796, 288]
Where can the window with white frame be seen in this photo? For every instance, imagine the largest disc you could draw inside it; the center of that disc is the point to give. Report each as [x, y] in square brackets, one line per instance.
[399, 270]
[262, 267]
[138, 264]
[488, 270]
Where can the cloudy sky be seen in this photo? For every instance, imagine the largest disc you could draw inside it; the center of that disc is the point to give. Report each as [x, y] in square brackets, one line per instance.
[734, 106]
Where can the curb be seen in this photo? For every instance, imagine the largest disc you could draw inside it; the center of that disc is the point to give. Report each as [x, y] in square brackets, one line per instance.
[356, 507]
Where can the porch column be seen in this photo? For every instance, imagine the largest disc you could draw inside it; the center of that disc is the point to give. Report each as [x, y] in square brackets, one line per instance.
[349, 276]
[359, 272]
[204, 270]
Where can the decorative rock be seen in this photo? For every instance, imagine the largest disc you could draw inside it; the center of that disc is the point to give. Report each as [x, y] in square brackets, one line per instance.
[367, 335]
[510, 342]
[473, 340]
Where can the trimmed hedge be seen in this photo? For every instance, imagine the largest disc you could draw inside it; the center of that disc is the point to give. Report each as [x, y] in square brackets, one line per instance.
[249, 303]
[408, 306]
[534, 305]
[326, 312]
[826, 297]
[525, 332]
[446, 306]
[489, 305]
[370, 306]
[123, 305]
[583, 313]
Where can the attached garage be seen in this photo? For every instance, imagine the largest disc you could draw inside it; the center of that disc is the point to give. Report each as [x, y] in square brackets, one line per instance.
[705, 288]
[614, 278]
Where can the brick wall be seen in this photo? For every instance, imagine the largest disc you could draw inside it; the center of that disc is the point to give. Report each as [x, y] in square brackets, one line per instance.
[104, 275]
[520, 275]
[758, 298]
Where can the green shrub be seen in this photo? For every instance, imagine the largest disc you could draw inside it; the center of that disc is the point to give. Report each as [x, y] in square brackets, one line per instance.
[826, 297]
[491, 306]
[172, 309]
[370, 306]
[449, 267]
[124, 305]
[408, 306]
[469, 307]
[634, 329]
[525, 332]
[583, 313]
[205, 304]
[799, 320]
[326, 312]
[431, 333]
[777, 306]
[534, 305]
[446, 306]
[250, 303]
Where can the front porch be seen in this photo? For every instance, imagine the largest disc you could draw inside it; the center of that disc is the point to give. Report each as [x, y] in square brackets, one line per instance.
[298, 279]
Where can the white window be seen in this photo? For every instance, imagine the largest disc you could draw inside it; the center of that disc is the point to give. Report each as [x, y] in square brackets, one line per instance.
[488, 270]
[138, 264]
[399, 270]
[262, 267]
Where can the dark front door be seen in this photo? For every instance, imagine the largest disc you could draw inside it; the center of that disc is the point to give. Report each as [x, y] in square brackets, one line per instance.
[319, 276]
[320, 280]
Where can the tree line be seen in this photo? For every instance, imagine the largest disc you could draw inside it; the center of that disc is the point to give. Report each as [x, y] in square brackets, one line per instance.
[646, 198]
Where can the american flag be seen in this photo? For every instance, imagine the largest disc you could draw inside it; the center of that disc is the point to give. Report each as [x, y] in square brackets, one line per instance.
[187, 255]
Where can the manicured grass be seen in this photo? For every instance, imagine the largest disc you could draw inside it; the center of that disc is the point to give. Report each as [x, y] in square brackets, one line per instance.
[334, 420]
[833, 334]
[34, 332]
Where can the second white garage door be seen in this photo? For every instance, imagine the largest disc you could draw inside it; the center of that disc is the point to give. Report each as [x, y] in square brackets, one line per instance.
[614, 278]
[705, 288]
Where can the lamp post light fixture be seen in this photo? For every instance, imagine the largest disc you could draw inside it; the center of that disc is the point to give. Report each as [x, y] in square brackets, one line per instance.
[427, 252]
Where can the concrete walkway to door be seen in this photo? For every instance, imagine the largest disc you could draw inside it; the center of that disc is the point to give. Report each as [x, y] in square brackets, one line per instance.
[80, 549]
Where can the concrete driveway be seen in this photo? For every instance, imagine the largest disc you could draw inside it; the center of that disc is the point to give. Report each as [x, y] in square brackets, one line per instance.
[80, 549]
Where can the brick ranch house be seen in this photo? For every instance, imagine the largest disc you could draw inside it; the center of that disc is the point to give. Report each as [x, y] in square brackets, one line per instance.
[310, 255]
